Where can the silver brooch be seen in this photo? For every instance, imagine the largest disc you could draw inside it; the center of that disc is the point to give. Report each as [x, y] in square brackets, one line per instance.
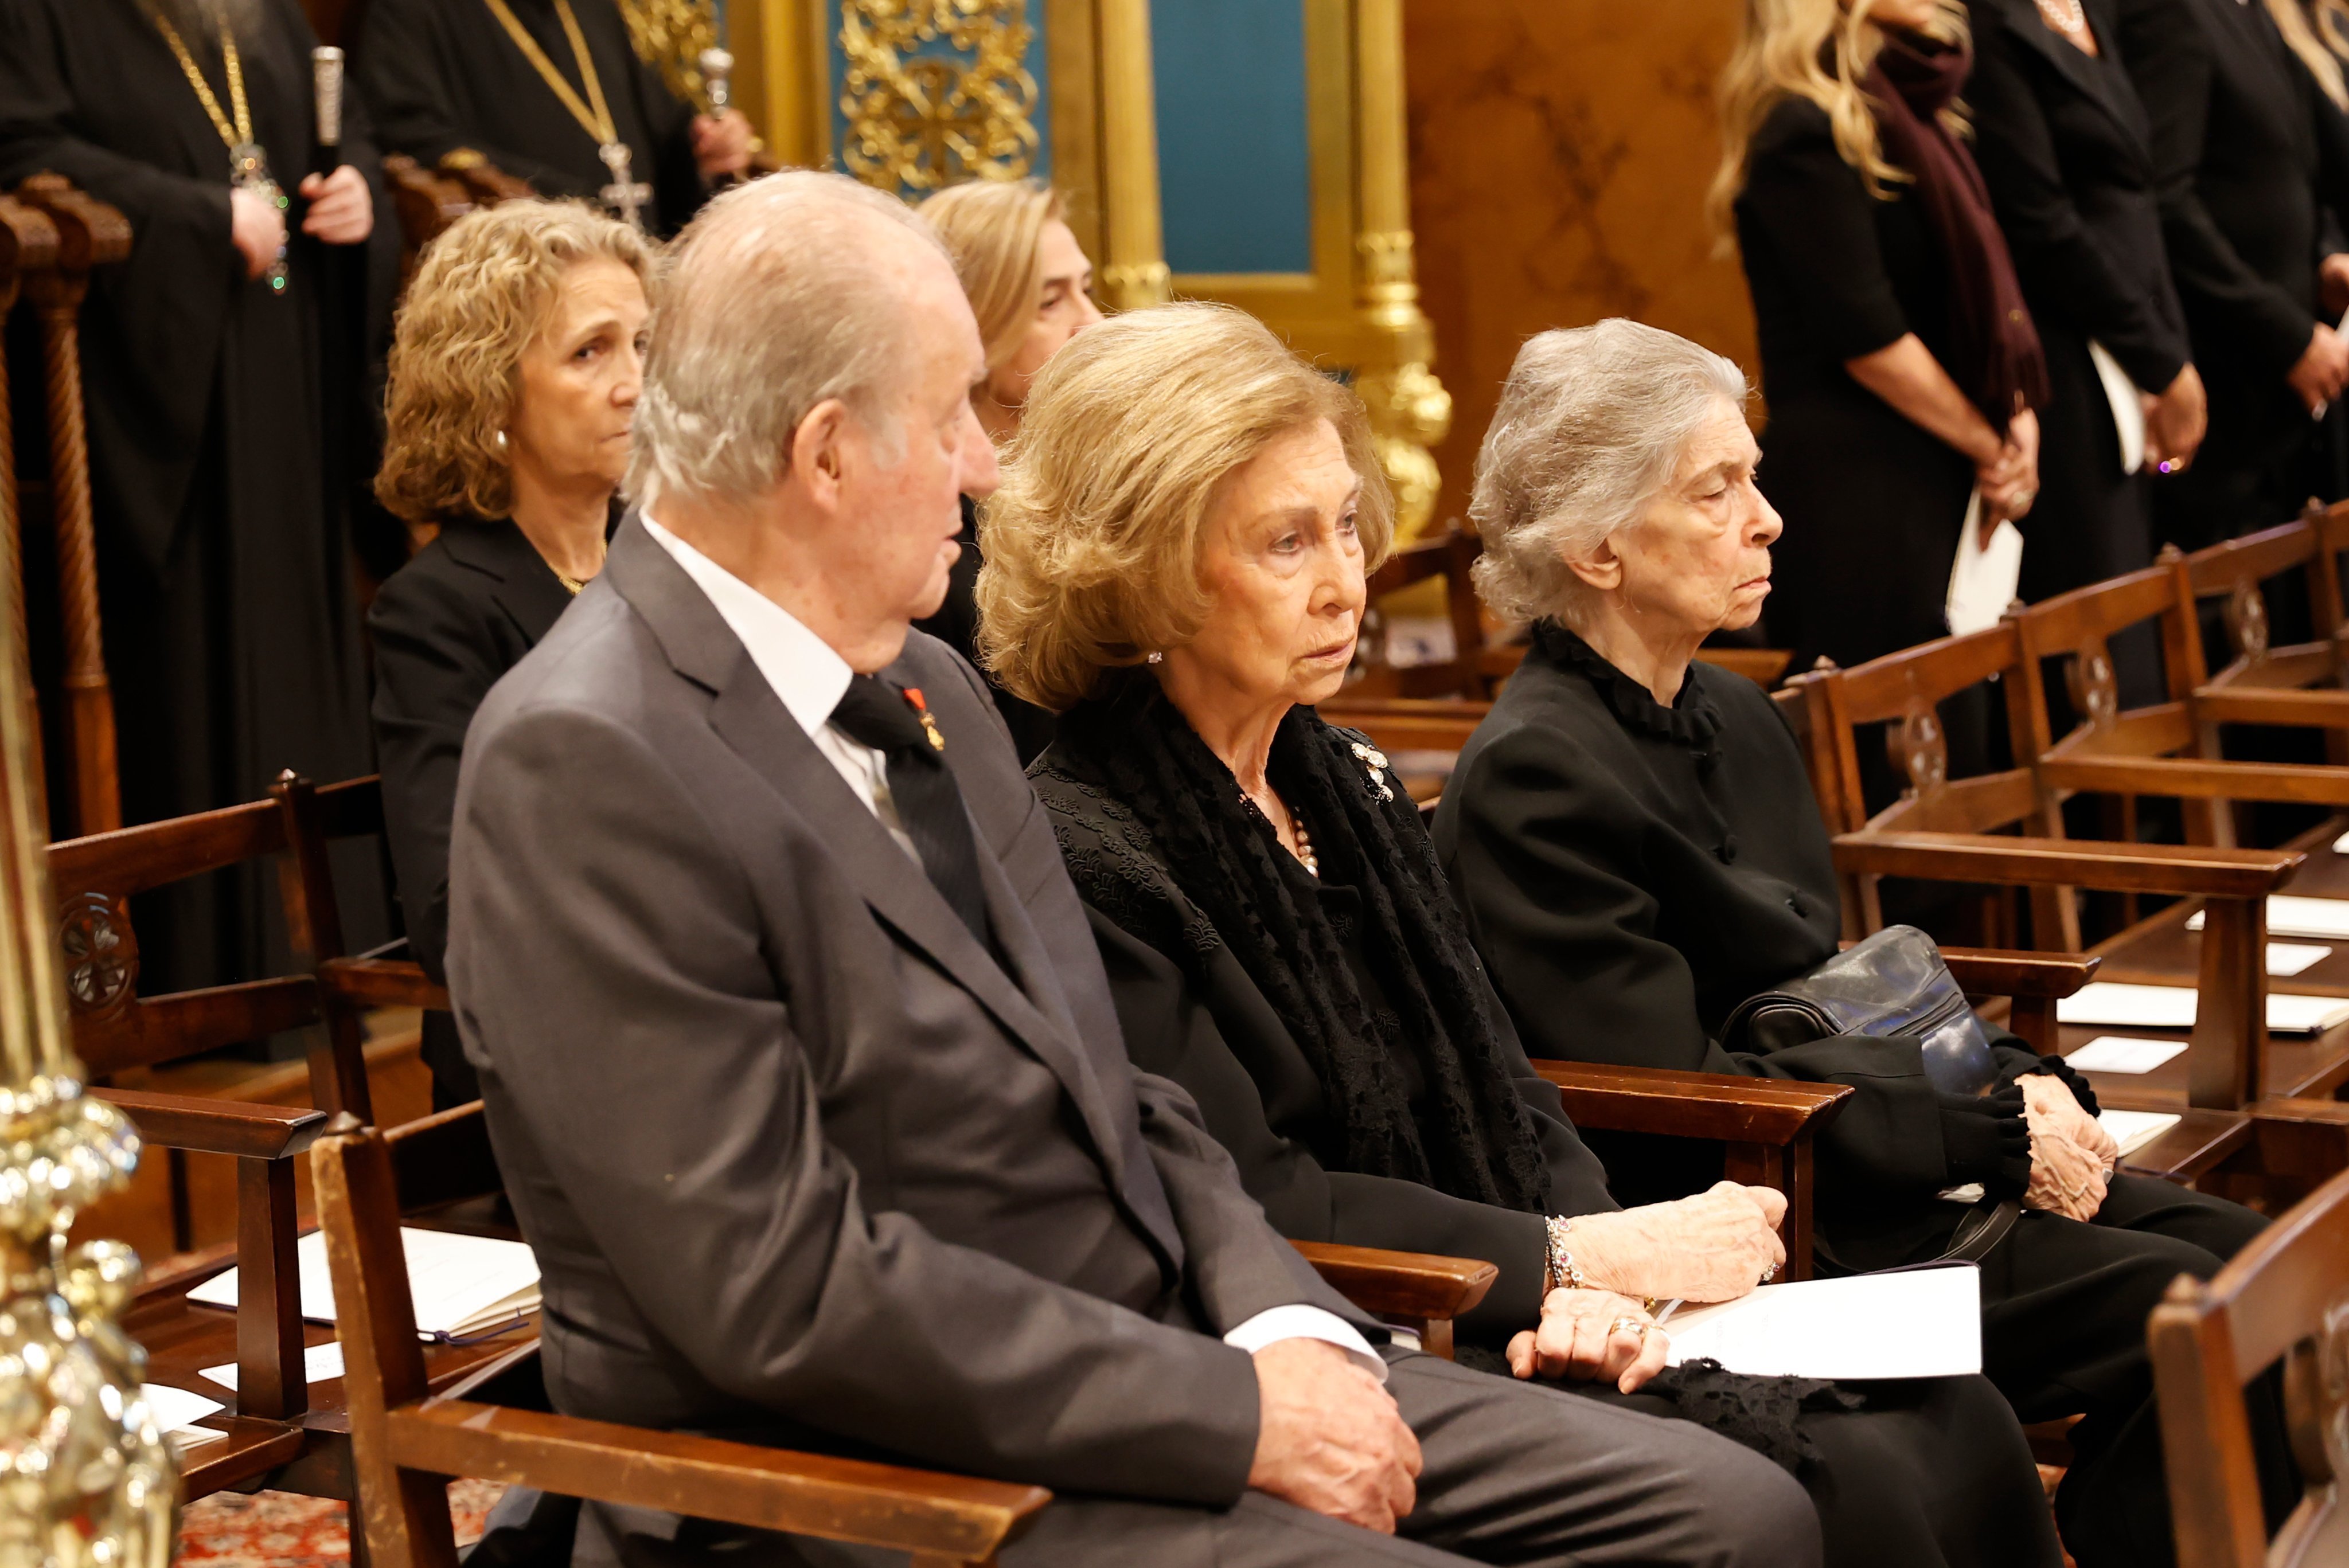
[1374, 762]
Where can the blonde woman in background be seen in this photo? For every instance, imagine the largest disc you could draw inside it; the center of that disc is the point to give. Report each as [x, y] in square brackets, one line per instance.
[1898, 355]
[515, 367]
[1030, 286]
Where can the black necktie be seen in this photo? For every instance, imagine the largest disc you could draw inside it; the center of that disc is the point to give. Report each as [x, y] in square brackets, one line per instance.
[893, 722]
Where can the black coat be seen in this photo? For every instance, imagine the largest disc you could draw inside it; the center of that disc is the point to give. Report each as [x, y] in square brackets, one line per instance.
[225, 423]
[446, 626]
[1873, 504]
[443, 75]
[2065, 147]
[2246, 152]
[1631, 872]
[1224, 1042]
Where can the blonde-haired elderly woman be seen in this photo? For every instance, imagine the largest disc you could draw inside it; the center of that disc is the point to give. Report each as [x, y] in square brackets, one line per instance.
[1639, 852]
[1177, 567]
[515, 366]
[1030, 287]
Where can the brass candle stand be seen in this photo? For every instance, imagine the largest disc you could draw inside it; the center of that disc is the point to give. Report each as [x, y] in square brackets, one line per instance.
[85, 1479]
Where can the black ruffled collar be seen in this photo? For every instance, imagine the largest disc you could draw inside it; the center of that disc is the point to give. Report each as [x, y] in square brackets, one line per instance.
[1692, 720]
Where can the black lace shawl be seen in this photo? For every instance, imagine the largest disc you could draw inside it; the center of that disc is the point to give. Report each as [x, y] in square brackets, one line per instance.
[1471, 1138]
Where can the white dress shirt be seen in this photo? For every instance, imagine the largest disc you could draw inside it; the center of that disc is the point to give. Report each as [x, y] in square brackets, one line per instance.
[810, 679]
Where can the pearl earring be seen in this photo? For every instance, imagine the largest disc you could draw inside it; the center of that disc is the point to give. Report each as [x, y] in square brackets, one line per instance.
[1156, 657]
[498, 439]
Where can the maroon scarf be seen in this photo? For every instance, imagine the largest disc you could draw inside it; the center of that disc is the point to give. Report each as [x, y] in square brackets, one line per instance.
[1993, 350]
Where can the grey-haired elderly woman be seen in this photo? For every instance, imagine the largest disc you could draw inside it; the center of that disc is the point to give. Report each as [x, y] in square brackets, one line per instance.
[1638, 850]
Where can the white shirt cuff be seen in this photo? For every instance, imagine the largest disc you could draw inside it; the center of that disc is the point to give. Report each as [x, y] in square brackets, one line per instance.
[1298, 1321]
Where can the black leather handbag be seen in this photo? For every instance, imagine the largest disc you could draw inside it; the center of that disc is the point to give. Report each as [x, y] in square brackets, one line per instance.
[1894, 985]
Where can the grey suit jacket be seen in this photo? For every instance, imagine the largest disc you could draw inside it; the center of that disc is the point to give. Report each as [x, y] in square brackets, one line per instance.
[800, 1161]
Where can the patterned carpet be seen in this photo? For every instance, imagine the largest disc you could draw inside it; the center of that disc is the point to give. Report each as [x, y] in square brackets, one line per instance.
[278, 1529]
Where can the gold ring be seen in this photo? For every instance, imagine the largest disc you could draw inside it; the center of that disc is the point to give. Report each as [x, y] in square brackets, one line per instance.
[1627, 1325]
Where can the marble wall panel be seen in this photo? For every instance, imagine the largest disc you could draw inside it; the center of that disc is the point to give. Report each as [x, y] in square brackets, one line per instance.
[1559, 155]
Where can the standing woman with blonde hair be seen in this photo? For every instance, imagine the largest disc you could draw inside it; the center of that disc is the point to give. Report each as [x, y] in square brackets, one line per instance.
[1030, 287]
[1897, 355]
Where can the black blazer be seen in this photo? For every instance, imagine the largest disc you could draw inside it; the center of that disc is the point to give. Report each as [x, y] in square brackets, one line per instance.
[1222, 1040]
[2066, 148]
[446, 626]
[1631, 872]
[2245, 145]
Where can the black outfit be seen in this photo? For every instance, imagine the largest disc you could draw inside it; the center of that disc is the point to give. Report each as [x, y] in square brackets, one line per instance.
[1632, 872]
[2247, 149]
[957, 625]
[1234, 1010]
[1873, 503]
[221, 414]
[2066, 148]
[445, 627]
[443, 76]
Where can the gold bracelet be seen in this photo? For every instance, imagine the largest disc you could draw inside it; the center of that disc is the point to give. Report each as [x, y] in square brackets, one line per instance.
[1564, 1273]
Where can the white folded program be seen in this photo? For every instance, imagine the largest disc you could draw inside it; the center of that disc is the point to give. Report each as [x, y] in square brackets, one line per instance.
[2112, 1004]
[2289, 914]
[460, 1284]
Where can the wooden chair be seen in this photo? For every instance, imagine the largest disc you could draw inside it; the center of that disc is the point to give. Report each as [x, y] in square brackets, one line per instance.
[28, 245]
[89, 234]
[2284, 1298]
[118, 1032]
[2302, 684]
[2001, 828]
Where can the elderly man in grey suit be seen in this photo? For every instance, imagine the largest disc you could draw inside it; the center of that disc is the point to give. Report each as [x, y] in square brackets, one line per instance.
[802, 1067]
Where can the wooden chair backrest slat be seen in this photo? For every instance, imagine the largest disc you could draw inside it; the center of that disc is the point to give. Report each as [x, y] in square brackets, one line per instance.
[1927, 674]
[2253, 558]
[2284, 1298]
[150, 1032]
[2101, 609]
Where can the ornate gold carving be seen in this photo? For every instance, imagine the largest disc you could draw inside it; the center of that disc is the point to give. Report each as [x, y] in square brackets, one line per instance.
[921, 122]
[1409, 411]
[101, 953]
[2247, 622]
[1137, 287]
[1920, 752]
[669, 35]
[2096, 696]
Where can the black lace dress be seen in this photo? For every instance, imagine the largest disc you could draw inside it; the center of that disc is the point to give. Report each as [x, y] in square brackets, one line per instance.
[1925, 1473]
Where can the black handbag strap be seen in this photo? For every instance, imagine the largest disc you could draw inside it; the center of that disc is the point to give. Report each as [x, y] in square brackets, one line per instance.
[1982, 1227]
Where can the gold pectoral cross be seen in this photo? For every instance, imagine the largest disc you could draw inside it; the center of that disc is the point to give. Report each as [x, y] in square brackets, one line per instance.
[625, 197]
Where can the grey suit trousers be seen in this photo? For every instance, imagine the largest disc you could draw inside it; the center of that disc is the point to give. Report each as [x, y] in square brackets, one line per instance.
[1516, 1473]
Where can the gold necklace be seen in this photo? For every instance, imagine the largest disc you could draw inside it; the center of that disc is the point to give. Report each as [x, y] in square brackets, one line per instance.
[574, 583]
[623, 195]
[248, 165]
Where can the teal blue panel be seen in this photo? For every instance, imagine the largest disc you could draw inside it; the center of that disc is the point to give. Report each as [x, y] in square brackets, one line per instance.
[939, 49]
[1234, 179]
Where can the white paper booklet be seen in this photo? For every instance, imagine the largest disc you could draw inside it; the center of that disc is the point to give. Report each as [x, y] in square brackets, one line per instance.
[461, 1283]
[2326, 918]
[1983, 576]
[320, 1364]
[2133, 1129]
[2113, 1004]
[2123, 1054]
[1926, 1322]
[2128, 408]
[177, 1411]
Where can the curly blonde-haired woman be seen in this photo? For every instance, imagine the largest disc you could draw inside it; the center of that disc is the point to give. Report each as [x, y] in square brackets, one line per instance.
[515, 366]
[1897, 351]
[1030, 287]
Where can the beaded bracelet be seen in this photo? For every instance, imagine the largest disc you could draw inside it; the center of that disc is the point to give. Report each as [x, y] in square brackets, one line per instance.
[1562, 1272]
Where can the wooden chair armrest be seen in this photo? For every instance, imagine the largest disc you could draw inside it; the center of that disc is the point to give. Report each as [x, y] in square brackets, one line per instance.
[1419, 1286]
[218, 1126]
[1725, 1107]
[2186, 869]
[381, 982]
[1986, 972]
[953, 1517]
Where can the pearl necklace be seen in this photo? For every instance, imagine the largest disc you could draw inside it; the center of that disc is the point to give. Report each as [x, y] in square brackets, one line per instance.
[2064, 15]
[1305, 855]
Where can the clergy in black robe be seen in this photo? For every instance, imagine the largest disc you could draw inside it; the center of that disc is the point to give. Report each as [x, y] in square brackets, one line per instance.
[219, 409]
[444, 77]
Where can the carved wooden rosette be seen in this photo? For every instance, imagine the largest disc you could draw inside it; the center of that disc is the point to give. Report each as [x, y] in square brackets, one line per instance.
[85, 1479]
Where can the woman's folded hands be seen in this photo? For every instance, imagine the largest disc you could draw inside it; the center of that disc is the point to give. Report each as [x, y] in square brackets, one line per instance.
[1588, 1335]
[1715, 1246]
[2071, 1156]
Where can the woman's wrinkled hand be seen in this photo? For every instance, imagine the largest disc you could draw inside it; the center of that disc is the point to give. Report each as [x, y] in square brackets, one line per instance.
[1715, 1246]
[1589, 1335]
[2066, 1178]
[2049, 1105]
